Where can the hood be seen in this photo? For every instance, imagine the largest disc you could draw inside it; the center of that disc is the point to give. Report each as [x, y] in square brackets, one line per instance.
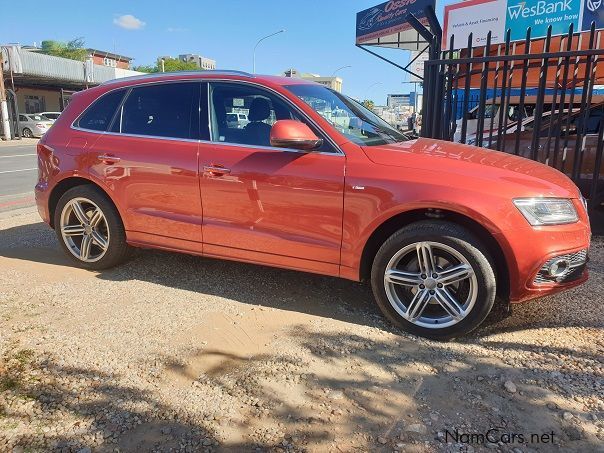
[530, 178]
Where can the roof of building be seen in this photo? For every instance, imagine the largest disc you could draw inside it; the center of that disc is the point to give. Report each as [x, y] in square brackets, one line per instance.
[107, 54]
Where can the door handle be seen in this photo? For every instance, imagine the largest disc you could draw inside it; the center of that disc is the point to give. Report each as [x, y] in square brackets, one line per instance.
[108, 159]
[216, 170]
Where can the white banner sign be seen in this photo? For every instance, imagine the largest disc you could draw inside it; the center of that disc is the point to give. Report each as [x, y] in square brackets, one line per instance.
[477, 17]
[417, 67]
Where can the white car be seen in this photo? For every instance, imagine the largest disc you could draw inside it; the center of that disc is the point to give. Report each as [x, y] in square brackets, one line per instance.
[236, 120]
[33, 124]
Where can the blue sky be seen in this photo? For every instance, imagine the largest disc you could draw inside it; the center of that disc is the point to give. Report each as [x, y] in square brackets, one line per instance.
[319, 36]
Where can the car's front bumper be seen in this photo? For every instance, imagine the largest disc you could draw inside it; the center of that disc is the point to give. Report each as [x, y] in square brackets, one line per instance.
[531, 248]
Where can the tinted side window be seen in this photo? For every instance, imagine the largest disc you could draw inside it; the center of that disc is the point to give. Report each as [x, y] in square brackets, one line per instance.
[163, 110]
[244, 114]
[594, 121]
[98, 116]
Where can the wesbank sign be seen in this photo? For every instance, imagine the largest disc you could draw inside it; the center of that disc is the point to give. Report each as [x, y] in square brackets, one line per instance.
[481, 16]
[542, 8]
[539, 15]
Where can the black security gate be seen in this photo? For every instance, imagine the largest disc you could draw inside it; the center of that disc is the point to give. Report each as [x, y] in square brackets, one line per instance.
[538, 98]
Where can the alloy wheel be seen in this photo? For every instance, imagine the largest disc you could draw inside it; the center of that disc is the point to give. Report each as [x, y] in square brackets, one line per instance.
[431, 284]
[84, 230]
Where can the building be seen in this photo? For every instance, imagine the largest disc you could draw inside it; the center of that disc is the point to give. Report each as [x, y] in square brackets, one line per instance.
[404, 100]
[36, 82]
[112, 60]
[200, 62]
[335, 83]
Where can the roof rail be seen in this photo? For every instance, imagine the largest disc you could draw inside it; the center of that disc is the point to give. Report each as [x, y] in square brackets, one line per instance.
[181, 73]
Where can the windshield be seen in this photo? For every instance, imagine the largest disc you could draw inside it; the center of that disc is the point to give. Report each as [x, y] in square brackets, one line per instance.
[347, 116]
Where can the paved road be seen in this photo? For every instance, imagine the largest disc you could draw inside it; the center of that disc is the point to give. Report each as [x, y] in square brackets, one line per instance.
[18, 173]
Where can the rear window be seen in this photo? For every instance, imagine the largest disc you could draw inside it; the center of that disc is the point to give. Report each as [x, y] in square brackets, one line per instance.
[163, 110]
[98, 116]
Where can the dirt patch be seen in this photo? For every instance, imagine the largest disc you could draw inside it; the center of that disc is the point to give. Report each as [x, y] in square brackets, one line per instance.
[172, 352]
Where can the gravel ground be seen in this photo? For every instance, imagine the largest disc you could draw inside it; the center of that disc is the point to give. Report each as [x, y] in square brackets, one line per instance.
[177, 353]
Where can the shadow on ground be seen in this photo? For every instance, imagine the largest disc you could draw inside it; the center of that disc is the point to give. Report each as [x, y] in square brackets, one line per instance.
[341, 393]
[251, 284]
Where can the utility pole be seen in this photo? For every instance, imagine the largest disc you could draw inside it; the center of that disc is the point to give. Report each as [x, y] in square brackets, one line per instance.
[3, 104]
[259, 41]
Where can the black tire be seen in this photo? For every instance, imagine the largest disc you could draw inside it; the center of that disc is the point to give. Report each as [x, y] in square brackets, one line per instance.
[118, 249]
[464, 243]
[27, 133]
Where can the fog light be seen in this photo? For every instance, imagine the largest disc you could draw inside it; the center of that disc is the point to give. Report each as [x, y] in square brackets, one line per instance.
[558, 267]
[562, 268]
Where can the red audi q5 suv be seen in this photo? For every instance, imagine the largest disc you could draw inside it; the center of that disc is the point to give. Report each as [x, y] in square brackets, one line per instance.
[307, 179]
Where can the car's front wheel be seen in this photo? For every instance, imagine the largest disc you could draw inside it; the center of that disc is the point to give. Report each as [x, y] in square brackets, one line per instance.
[434, 279]
[90, 229]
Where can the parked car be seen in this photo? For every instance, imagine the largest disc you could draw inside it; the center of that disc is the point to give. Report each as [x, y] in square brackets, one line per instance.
[33, 125]
[439, 229]
[512, 127]
[564, 129]
[51, 115]
[237, 120]
[493, 111]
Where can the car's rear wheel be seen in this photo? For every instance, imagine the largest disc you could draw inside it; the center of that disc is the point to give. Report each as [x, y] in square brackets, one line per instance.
[90, 229]
[27, 133]
[434, 279]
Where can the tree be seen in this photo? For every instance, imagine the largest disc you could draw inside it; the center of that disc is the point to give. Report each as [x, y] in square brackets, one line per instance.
[170, 65]
[369, 104]
[73, 50]
[147, 68]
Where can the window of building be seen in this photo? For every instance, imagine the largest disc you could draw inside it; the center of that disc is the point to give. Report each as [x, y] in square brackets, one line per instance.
[34, 104]
[98, 116]
[110, 62]
[163, 110]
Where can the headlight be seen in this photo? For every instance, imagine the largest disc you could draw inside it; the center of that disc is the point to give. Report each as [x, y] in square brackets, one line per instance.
[547, 211]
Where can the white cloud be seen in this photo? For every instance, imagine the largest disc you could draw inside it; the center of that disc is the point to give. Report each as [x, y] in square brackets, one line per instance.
[129, 22]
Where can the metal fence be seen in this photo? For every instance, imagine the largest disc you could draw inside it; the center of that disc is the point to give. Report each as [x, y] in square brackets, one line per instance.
[537, 99]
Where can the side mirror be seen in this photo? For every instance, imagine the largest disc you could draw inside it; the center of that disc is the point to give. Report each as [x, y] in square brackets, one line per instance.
[294, 134]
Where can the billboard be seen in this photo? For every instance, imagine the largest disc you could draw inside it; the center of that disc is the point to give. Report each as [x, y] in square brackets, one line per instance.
[417, 67]
[386, 20]
[481, 16]
[539, 15]
[477, 17]
[593, 11]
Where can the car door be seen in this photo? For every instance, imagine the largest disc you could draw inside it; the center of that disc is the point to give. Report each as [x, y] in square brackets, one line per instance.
[23, 123]
[264, 204]
[149, 160]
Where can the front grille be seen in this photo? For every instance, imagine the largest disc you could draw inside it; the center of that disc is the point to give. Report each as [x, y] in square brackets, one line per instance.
[577, 262]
